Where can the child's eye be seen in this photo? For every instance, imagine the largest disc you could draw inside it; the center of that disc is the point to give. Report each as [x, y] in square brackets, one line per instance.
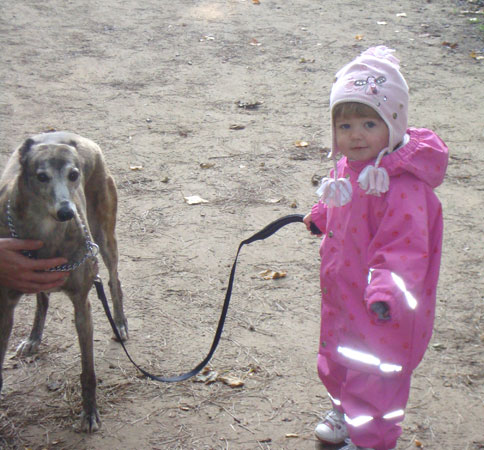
[370, 124]
[344, 126]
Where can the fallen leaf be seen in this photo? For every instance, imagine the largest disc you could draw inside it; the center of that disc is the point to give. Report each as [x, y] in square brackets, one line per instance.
[316, 179]
[359, 37]
[231, 381]
[248, 105]
[195, 200]
[207, 165]
[450, 44]
[236, 127]
[255, 42]
[438, 346]
[301, 144]
[476, 56]
[292, 435]
[135, 168]
[418, 443]
[207, 376]
[256, 2]
[471, 12]
[269, 274]
[274, 200]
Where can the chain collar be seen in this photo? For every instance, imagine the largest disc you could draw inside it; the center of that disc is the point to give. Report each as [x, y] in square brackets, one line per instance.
[92, 248]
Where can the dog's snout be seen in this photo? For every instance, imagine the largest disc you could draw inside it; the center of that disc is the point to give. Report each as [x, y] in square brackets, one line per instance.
[65, 212]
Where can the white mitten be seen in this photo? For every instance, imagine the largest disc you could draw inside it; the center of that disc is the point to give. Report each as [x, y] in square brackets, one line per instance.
[335, 193]
[374, 180]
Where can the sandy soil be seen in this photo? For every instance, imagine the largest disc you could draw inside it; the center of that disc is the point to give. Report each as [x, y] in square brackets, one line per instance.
[210, 98]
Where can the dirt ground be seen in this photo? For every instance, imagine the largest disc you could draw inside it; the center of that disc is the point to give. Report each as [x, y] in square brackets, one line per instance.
[228, 100]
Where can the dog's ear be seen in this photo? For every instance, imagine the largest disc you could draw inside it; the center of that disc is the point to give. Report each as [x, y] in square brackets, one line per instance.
[25, 149]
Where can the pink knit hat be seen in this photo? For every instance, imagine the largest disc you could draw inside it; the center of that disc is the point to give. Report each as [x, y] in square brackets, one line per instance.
[373, 79]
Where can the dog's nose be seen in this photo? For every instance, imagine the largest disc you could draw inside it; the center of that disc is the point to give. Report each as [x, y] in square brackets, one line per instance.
[65, 213]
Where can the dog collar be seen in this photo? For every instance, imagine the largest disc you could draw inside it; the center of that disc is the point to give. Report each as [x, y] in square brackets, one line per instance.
[91, 247]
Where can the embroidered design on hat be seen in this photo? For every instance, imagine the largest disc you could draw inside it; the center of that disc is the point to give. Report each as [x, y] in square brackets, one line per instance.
[371, 84]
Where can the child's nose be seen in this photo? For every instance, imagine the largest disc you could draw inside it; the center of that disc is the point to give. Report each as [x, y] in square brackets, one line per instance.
[355, 133]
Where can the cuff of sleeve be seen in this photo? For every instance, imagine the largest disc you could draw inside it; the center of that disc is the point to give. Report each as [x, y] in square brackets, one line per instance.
[316, 215]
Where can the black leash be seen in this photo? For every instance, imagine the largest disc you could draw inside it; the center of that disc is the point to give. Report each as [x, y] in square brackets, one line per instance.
[267, 231]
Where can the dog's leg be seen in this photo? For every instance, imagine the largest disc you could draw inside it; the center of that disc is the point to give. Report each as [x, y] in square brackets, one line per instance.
[31, 345]
[7, 307]
[110, 258]
[90, 420]
[102, 222]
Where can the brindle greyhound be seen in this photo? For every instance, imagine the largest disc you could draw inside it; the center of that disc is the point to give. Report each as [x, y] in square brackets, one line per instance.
[56, 188]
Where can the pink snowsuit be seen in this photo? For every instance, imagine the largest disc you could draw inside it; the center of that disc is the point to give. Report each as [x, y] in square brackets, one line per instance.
[380, 249]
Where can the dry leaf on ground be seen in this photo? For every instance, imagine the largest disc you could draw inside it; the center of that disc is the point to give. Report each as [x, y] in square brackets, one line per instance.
[194, 200]
[231, 381]
[272, 274]
[207, 376]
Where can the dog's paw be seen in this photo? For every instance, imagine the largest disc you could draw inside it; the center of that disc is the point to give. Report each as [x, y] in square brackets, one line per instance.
[123, 332]
[90, 422]
[28, 347]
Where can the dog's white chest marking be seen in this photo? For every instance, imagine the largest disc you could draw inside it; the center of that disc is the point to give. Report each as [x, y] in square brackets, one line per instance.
[47, 226]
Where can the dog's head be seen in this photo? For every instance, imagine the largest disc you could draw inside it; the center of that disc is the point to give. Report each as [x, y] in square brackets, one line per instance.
[51, 173]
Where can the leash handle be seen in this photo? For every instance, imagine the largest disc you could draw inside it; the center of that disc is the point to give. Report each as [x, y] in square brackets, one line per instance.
[267, 231]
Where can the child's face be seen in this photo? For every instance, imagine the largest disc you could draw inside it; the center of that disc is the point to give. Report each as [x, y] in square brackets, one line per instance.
[361, 138]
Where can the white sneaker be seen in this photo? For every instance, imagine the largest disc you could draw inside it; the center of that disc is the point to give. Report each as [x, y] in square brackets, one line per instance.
[332, 430]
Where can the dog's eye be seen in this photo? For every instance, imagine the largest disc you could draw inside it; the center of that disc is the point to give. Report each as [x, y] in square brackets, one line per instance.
[74, 175]
[42, 177]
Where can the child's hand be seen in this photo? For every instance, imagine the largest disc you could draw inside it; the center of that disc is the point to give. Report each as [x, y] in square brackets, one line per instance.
[311, 226]
[381, 309]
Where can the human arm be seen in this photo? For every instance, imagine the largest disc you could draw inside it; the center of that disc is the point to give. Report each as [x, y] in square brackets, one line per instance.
[315, 220]
[24, 274]
[404, 254]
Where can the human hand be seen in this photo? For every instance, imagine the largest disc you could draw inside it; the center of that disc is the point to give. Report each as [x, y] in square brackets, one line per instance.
[381, 309]
[24, 274]
[311, 226]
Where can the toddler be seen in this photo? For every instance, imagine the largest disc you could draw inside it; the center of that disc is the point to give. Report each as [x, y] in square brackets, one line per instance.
[380, 255]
